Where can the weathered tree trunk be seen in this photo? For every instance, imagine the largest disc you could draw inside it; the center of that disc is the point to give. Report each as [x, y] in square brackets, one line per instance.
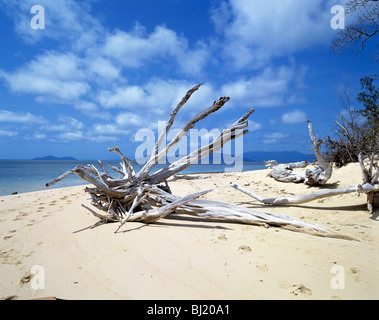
[371, 178]
[369, 186]
[320, 175]
[365, 188]
[146, 196]
[274, 164]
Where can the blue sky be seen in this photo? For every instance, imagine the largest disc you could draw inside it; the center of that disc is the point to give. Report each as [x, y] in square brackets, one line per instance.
[102, 70]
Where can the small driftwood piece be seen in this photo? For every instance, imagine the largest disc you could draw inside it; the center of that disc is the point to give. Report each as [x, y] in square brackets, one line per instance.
[187, 177]
[369, 186]
[292, 165]
[319, 175]
[370, 178]
[145, 196]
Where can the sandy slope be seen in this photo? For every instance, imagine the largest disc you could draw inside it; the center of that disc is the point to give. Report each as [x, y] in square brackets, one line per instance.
[186, 257]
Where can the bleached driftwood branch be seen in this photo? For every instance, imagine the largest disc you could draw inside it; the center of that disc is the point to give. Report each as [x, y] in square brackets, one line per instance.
[187, 177]
[319, 175]
[369, 186]
[371, 178]
[292, 165]
[146, 196]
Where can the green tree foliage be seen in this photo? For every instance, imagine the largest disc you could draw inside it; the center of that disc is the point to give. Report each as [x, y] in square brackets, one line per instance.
[370, 111]
[357, 130]
[369, 99]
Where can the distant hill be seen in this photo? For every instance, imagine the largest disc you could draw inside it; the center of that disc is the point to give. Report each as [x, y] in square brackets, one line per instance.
[54, 158]
[260, 156]
[280, 156]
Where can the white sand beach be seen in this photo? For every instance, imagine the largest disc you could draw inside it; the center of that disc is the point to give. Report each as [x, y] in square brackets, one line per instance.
[183, 257]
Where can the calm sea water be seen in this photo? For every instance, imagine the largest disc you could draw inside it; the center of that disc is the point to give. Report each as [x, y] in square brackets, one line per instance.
[32, 175]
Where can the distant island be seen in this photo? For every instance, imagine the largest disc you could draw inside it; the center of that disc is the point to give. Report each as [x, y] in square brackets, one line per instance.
[54, 158]
[252, 156]
[280, 156]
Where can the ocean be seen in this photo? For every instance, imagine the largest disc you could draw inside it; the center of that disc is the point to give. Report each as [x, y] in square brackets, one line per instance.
[31, 175]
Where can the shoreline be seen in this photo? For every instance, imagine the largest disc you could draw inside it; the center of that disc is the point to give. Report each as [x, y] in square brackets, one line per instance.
[38, 185]
[185, 257]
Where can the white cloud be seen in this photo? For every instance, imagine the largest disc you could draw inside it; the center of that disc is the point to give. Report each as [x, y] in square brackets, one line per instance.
[86, 106]
[254, 126]
[136, 48]
[108, 129]
[103, 68]
[292, 117]
[63, 129]
[133, 48]
[91, 110]
[70, 24]
[102, 138]
[94, 67]
[53, 77]
[273, 137]
[129, 120]
[20, 117]
[66, 21]
[8, 133]
[64, 66]
[271, 88]
[71, 122]
[257, 31]
[64, 123]
[122, 97]
[71, 136]
[79, 135]
[125, 124]
[157, 96]
[39, 136]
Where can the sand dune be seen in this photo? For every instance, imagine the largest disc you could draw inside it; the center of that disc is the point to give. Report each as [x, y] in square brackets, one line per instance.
[184, 257]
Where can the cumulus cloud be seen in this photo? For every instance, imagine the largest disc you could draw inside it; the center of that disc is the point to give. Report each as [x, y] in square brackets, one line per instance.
[71, 77]
[156, 96]
[80, 135]
[254, 126]
[273, 137]
[135, 48]
[51, 76]
[270, 88]
[8, 133]
[93, 70]
[257, 31]
[35, 127]
[292, 117]
[124, 124]
[103, 68]
[64, 123]
[20, 117]
[66, 21]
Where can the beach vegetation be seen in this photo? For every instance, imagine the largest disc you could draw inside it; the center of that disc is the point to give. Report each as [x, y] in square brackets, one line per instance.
[357, 129]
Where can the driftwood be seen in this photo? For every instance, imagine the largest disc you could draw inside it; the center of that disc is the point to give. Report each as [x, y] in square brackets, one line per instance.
[187, 177]
[271, 164]
[145, 196]
[319, 175]
[369, 186]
